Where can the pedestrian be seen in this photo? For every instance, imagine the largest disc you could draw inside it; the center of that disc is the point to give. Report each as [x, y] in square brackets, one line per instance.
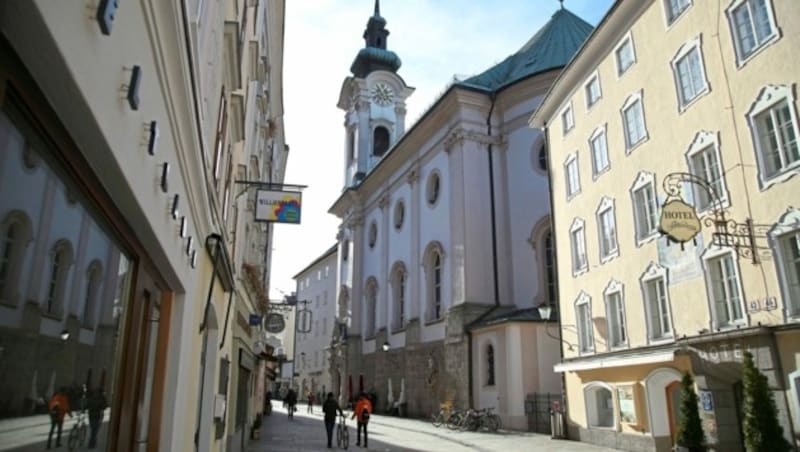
[330, 407]
[268, 403]
[291, 401]
[310, 408]
[363, 411]
[58, 406]
[96, 405]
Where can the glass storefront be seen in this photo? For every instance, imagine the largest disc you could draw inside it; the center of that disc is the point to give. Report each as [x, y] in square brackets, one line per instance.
[64, 287]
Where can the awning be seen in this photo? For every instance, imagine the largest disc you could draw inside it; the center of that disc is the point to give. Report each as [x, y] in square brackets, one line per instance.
[628, 359]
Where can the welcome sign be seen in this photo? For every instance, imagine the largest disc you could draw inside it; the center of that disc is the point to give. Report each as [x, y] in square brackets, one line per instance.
[278, 206]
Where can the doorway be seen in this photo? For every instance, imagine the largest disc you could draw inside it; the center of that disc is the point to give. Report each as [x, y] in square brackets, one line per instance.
[673, 396]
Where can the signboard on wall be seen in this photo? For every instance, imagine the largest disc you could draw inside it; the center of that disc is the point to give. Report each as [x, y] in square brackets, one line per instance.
[278, 206]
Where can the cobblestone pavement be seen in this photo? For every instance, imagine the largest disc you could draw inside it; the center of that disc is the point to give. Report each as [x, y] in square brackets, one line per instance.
[306, 432]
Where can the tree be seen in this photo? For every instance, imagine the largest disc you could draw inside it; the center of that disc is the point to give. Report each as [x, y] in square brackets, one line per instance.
[762, 431]
[690, 430]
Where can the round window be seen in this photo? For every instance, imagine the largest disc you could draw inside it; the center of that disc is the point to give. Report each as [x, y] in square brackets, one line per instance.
[432, 189]
[399, 214]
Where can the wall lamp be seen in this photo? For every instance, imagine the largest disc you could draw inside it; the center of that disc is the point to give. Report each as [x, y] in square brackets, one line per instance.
[545, 313]
[64, 335]
[385, 347]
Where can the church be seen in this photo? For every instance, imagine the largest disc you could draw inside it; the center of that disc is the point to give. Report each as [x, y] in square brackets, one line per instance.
[445, 250]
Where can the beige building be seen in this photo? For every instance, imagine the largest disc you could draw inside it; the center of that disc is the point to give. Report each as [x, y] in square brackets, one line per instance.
[669, 100]
[127, 244]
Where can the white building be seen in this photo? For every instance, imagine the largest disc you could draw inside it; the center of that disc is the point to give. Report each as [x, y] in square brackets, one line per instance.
[444, 246]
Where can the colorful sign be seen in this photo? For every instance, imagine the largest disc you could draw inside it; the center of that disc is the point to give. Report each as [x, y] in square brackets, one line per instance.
[278, 206]
[679, 220]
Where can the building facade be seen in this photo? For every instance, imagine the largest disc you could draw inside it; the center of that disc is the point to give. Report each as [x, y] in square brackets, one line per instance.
[443, 246]
[677, 102]
[124, 241]
[316, 288]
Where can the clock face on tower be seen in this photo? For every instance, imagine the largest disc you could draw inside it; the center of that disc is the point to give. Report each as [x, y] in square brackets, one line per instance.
[382, 94]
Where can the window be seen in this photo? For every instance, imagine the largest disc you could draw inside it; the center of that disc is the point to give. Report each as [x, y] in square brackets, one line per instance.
[752, 26]
[583, 314]
[599, 147]
[567, 119]
[722, 280]
[345, 249]
[578, 247]
[222, 122]
[704, 162]
[542, 158]
[399, 291]
[549, 269]
[592, 90]
[432, 188]
[645, 210]
[607, 229]
[773, 121]
[615, 315]
[93, 280]
[60, 261]
[373, 234]
[656, 300]
[633, 121]
[399, 214]
[599, 406]
[380, 141]
[372, 297]
[351, 145]
[785, 241]
[625, 55]
[15, 236]
[573, 176]
[10, 240]
[489, 365]
[433, 274]
[689, 73]
[674, 8]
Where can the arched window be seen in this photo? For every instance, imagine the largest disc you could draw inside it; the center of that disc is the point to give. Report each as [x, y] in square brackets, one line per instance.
[432, 264]
[399, 291]
[94, 276]
[15, 234]
[432, 188]
[599, 406]
[380, 141]
[372, 298]
[10, 241]
[60, 260]
[489, 365]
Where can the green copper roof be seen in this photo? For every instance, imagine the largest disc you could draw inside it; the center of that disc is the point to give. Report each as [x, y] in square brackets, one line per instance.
[550, 48]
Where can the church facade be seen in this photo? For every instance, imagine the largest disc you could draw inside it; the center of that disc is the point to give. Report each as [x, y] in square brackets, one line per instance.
[444, 248]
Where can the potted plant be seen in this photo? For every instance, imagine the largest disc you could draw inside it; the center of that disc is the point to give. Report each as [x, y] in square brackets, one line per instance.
[255, 431]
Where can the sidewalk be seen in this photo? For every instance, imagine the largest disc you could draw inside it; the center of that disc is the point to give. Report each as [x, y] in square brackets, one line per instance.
[306, 433]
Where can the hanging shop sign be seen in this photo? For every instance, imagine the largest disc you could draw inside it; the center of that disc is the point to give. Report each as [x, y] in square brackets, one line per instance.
[278, 206]
[679, 220]
[274, 323]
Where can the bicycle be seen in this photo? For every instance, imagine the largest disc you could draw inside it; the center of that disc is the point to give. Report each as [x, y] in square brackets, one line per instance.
[342, 433]
[442, 416]
[77, 434]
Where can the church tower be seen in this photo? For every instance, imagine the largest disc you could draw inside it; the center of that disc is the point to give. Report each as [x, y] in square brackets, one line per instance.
[374, 101]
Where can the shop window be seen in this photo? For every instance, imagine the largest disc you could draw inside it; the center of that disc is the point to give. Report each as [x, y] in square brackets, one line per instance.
[599, 406]
[752, 25]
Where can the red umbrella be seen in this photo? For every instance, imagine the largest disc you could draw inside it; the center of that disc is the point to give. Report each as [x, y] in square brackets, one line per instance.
[360, 384]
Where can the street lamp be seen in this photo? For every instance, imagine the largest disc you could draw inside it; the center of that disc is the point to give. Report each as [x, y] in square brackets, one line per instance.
[385, 347]
[64, 335]
[545, 311]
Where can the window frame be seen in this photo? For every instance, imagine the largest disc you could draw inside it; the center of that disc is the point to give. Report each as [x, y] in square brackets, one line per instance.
[372, 234]
[787, 225]
[433, 178]
[596, 134]
[693, 46]
[776, 34]
[656, 272]
[9, 290]
[399, 214]
[586, 342]
[670, 17]
[92, 290]
[572, 159]
[433, 250]
[703, 141]
[631, 101]
[643, 180]
[770, 97]
[607, 207]
[593, 80]
[399, 295]
[613, 288]
[490, 363]
[371, 308]
[567, 119]
[589, 396]
[627, 39]
[578, 227]
[58, 279]
[711, 256]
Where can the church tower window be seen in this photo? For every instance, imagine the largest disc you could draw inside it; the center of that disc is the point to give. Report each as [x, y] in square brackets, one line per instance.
[380, 141]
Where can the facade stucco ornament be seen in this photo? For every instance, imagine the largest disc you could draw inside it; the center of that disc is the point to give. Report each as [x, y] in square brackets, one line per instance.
[400, 110]
[412, 176]
[462, 134]
[363, 105]
[383, 201]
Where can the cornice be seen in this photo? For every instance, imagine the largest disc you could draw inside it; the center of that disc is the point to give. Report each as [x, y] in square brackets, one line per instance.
[461, 134]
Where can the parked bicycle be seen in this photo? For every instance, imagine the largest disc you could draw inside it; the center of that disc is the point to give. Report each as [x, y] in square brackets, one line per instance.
[445, 410]
[77, 434]
[342, 433]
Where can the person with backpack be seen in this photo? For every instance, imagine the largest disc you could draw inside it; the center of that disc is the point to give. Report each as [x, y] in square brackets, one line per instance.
[330, 407]
[363, 411]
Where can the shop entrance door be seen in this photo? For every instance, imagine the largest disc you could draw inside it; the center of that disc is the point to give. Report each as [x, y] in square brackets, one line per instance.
[673, 394]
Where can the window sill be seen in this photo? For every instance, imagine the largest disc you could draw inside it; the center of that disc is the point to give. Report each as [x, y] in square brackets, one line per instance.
[778, 177]
[53, 316]
[629, 149]
[597, 175]
[740, 63]
[399, 330]
[660, 340]
[610, 257]
[434, 321]
[647, 239]
[580, 271]
[684, 106]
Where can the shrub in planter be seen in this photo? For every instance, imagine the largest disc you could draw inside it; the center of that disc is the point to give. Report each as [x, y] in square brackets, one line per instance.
[762, 431]
[690, 430]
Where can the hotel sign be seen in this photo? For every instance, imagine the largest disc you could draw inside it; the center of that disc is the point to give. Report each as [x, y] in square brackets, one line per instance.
[679, 221]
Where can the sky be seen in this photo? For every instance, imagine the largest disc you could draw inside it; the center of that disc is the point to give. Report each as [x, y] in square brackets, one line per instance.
[435, 40]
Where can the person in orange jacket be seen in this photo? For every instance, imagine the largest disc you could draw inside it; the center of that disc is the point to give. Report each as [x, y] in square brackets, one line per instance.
[59, 407]
[363, 411]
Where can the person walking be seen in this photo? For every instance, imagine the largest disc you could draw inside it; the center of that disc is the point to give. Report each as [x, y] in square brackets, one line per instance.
[363, 411]
[96, 405]
[291, 401]
[58, 406]
[329, 408]
[310, 408]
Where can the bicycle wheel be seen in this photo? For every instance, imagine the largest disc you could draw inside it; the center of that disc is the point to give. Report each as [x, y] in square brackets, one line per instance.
[494, 422]
[72, 439]
[438, 419]
[81, 433]
[453, 421]
[339, 435]
[345, 437]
